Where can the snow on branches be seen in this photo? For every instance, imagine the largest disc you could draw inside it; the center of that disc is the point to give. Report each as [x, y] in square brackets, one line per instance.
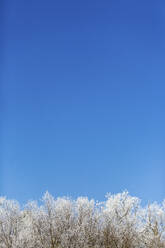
[119, 222]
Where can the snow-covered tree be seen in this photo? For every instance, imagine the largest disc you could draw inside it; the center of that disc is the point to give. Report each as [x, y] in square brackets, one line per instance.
[118, 222]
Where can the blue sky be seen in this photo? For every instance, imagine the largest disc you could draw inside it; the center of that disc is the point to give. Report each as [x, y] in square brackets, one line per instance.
[83, 98]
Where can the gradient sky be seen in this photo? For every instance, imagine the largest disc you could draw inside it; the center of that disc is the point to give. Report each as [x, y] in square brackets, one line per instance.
[82, 98]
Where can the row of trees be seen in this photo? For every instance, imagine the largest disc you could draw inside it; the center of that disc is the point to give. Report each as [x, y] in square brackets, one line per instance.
[119, 222]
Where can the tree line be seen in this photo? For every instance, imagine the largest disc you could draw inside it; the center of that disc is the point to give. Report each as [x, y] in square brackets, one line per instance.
[118, 222]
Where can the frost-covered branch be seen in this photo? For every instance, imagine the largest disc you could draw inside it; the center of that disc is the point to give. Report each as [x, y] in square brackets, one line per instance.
[119, 222]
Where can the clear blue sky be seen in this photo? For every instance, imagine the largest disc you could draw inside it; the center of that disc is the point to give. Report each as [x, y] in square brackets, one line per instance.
[82, 98]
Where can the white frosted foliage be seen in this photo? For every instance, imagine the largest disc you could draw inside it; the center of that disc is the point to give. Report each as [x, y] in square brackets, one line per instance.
[118, 222]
